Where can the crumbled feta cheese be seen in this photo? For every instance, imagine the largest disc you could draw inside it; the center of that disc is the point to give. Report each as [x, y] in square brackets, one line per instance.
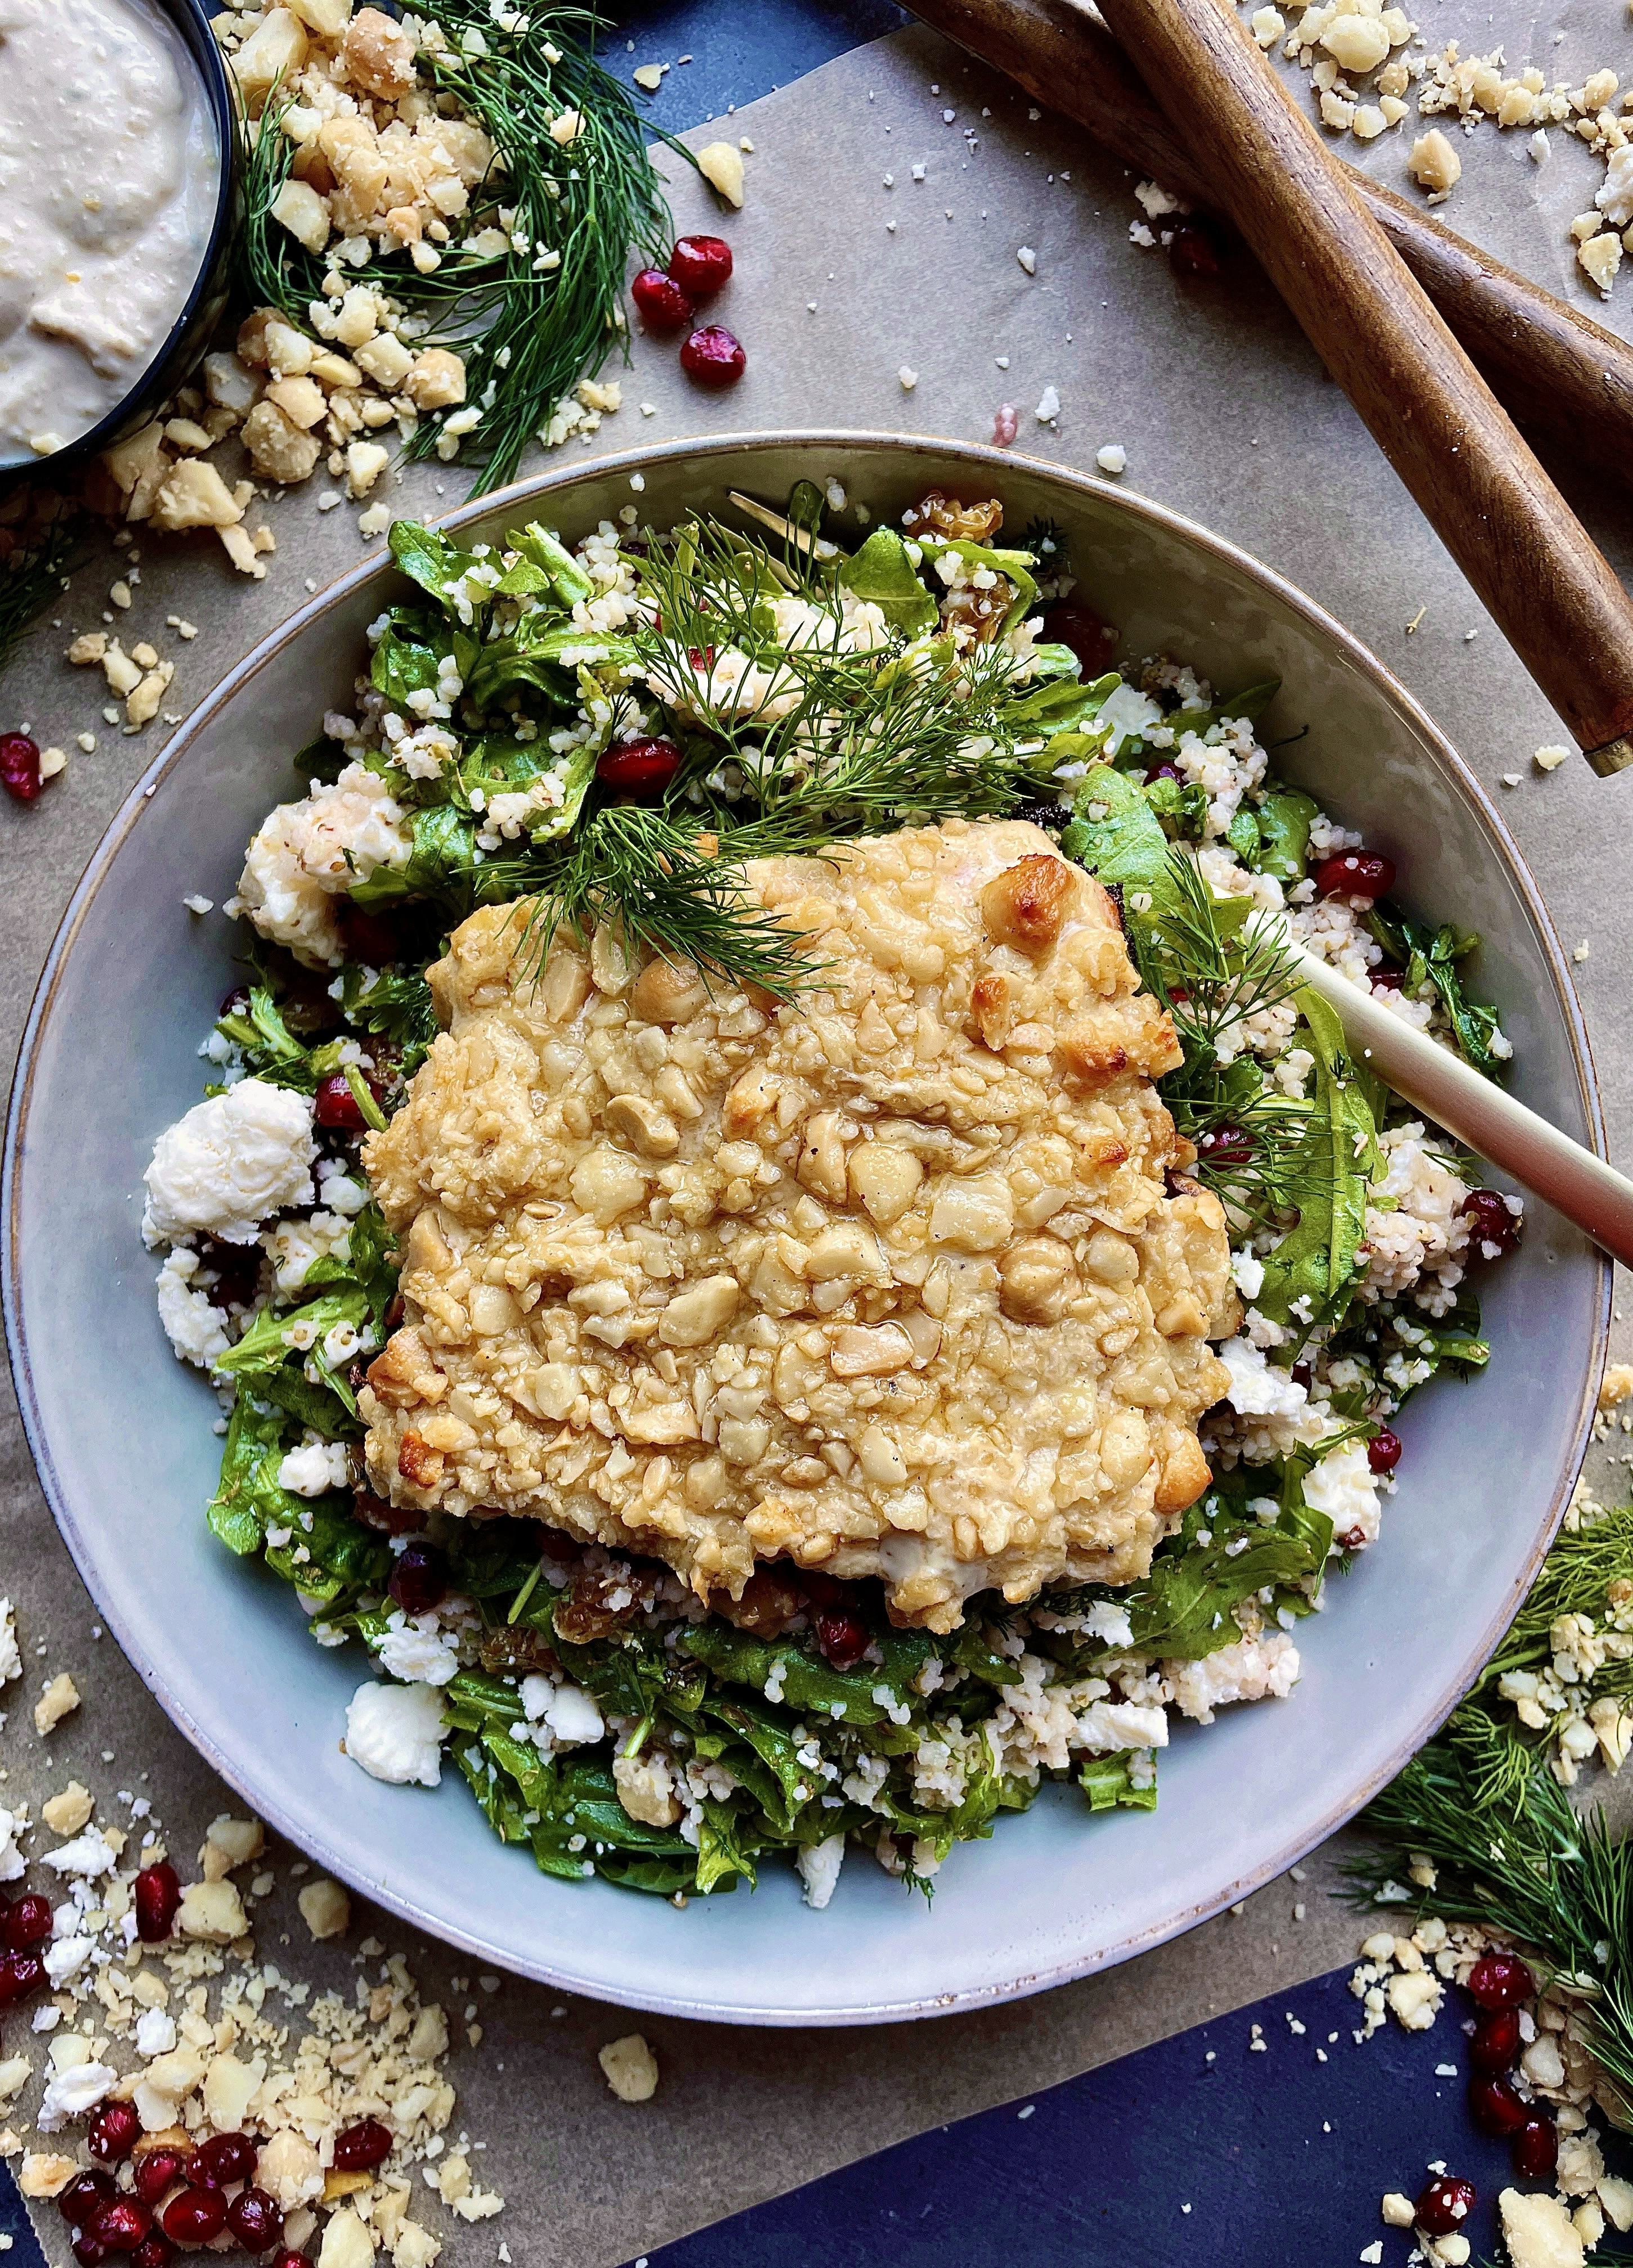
[315, 1467]
[195, 1329]
[1048, 406]
[11, 1660]
[418, 1651]
[819, 1865]
[71, 2094]
[395, 1733]
[1028, 258]
[231, 1161]
[567, 1711]
[1111, 458]
[155, 2032]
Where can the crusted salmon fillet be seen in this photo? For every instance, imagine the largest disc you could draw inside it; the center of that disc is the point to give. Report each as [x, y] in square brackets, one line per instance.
[886, 1280]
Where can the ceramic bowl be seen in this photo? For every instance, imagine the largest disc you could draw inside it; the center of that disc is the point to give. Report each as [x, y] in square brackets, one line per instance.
[121, 1432]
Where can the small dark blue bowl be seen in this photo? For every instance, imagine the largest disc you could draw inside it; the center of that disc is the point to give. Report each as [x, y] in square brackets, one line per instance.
[202, 311]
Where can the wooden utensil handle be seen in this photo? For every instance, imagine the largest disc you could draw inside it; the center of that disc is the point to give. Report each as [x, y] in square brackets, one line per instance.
[1553, 367]
[1493, 507]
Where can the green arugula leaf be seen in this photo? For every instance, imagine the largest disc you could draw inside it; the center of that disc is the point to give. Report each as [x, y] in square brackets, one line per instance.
[1108, 1783]
[1317, 1262]
[248, 1498]
[883, 573]
[429, 558]
[1284, 818]
[1250, 703]
[548, 555]
[331, 1554]
[1016, 566]
[1431, 956]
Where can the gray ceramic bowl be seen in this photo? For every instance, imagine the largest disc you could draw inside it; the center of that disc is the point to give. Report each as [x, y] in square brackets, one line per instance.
[121, 1431]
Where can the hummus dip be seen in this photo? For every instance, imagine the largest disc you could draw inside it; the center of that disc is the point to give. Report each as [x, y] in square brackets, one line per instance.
[109, 174]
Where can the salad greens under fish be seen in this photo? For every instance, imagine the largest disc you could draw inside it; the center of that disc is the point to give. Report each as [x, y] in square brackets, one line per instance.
[805, 691]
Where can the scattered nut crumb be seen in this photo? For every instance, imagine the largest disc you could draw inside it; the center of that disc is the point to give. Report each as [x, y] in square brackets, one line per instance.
[631, 2067]
[59, 1699]
[325, 1908]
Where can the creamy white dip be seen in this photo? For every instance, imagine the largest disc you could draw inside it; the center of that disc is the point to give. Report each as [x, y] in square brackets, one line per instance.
[109, 172]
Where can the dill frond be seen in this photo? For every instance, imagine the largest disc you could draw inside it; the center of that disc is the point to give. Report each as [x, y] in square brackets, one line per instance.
[31, 578]
[1576, 1580]
[527, 334]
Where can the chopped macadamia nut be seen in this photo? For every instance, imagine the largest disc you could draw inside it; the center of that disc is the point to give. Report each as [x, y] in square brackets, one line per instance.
[279, 449]
[142, 704]
[300, 399]
[388, 361]
[366, 461]
[229, 1843]
[44, 2174]
[67, 1813]
[721, 166]
[631, 2068]
[60, 1699]
[274, 50]
[90, 645]
[325, 1908]
[194, 495]
[1599, 258]
[1434, 164]
[437, 380]
[299, 209]
[211, 1910]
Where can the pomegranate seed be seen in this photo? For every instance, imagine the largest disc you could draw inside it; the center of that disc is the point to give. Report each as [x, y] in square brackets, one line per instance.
[419, 1580]
[121, 2223]
[1226, 1145]
[236, 1269]
[1534, 2150]
[369, 937]
[195, 2216]
[1444, 2206]
[1495, 2108]
[1350, 1539]
[701, 265]
[842, 1637]
[20, 1974]
[290, 2260]
[80, 2200]
[19, 766]
[257, 2220]
[27, 1923]
[89, 2250]
[337, 1105]
[1387, 980]
[223, 2160]
[359, 2147]
[154, 2251]
[700, 657]
[1191, 251]
[638, 767]
[1383, 1451]
[660, 302]
[1495, 2043]
[158, 1894]
[1302, 1375]
[1080, 628]
[1006, 424]
[1489, 1222]
[1355, 874]
[1164, 771]
[713, 356]
[115, 2132]
[158, 2170]
[1501, 1980]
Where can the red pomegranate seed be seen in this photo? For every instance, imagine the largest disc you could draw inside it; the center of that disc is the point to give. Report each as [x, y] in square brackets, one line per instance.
[1387, 980]
[1489, 1222]
[1501, 1980]
[20, 1974]
[713, 356]
[1226, 1145]
[1191, 251]
[369, 937]
[1534, 2150]
[80, 2200]
[1444, 2206]
[257, 2220]
[1495, 2108]
[27, 1924]
[154, 2251]
[1080, 628]
[156, 2172]
[290, 2260]
[19, 766]
[1006, 424]
[842, 1637]
[1355, 874]
[638, 767]
[1383, 1451]
[660, 302]
[121, 2223]
[223, 2160]
[359, 2147]
[1302, 1374]
[115, 2132]
[158, 1894]
[195, 2216]
[701, 265]
[1495, 2043]
[89, 2250]
[419, 1580]
[337, 1105]
[1162, 771]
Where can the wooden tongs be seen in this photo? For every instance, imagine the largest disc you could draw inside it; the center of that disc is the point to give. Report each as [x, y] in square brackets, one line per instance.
[1337, 248]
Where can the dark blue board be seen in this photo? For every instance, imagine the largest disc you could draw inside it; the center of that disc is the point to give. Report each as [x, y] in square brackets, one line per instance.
[740, 48]
[1167, 2159]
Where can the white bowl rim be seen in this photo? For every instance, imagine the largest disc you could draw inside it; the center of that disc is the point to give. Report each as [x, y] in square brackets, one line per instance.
[268, 1805]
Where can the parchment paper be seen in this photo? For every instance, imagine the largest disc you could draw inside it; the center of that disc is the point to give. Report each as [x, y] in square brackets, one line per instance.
[1225, 414]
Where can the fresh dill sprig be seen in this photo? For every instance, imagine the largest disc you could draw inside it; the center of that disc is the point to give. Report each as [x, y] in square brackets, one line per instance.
[826, 743]
[1213, 970]
[647, 873]
[528, 333]
[31, 577]
[1585, 1561]
[1511, 1854]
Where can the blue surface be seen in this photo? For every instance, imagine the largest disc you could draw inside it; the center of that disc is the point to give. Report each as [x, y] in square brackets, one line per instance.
[740, 50]
[1163, 2160]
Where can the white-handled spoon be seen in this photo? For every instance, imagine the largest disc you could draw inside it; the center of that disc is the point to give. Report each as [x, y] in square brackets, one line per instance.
[1592, 1194]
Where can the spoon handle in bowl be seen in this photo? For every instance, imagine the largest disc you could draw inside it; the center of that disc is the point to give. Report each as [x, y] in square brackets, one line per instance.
[1550, 592]
[1553, 367]
[1590, 1194]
